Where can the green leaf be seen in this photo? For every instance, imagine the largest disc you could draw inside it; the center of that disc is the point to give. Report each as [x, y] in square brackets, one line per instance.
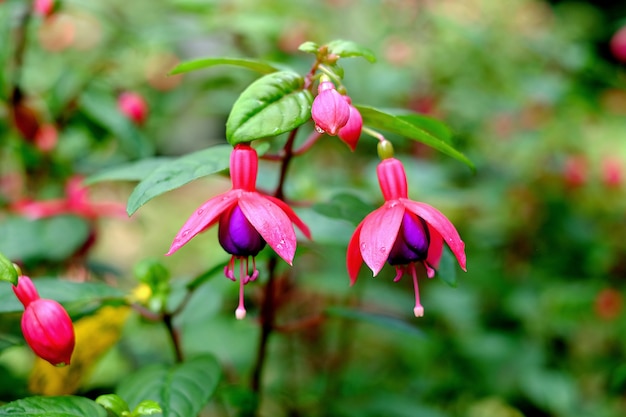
[178, 172]
[65, 406]
[182, 390]
[309, 47]
[347, 49]
[50, 239]
[146, 408]
[7, 271]
[133, 171]
[447, 268]
[63, 291]
[385, 321]
[344, 206]
[273, 104]
[379, 119]
[433, 126]
[102, 108]
[262, 67]
[113, 403]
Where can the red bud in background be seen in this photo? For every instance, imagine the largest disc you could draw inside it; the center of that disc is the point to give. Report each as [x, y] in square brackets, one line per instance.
[133, 106]
[618, 45]
[43, 7]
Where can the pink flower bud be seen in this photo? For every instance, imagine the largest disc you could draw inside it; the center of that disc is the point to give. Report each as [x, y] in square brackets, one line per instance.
[351, 131]
[618, 45]
[330, 111]
[43, 7]
[612, 172]
[25, 291]
[49, 332]
[133, 106]
[46, 137]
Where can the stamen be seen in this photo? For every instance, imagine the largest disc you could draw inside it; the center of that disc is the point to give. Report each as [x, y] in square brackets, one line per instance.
[240, 312]
[430, 271]
[399, 273]
[229, 269]
[418, 310]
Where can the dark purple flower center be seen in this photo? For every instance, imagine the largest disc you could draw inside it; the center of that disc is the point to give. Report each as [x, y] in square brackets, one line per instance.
[412, 242]
[237, 235]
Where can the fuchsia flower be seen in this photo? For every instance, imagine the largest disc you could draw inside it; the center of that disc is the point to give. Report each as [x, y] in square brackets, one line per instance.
[76, 202]
[133, 106]
[351, 131]
[46, 326]
[247, 221]
[402, 232]
[330, 111]
[43, 7]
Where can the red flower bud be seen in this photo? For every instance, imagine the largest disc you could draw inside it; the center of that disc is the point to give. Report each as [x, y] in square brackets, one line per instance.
[43, 7]
[49, 332]
[133, 106]
[618, 45]
[25, 291]
[351, 132]
[330, 111]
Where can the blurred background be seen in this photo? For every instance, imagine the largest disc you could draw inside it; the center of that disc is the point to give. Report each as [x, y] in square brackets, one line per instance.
[535, 93]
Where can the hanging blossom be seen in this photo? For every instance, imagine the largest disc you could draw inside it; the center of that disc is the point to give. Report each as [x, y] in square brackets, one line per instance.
[248, 220]
[46, 326]
[76, 202]
[402, 232]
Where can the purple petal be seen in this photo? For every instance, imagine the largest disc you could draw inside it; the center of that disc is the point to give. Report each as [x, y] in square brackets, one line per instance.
[442, 225]
[380, 229]
[203, 217]
[237, 235]
[271, 222]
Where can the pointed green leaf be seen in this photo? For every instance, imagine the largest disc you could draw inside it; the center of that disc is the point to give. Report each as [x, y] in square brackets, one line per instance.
[386, 321]
[433, 126]
[7, 271]
[113, 403]
[132, 171]
[273, 104]
[379, 119]
[310, 47]
[447, 268]
[178, 172]
[259, 66]
[347, 49]
[181, 390]
[65, 406]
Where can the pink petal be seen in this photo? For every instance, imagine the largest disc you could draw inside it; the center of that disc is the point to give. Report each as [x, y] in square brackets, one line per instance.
[354, 260]
[380, 229]
[41, 209]
[292, 215]
[206, 215]
[442, 225]
[435, 248]
[271, 222]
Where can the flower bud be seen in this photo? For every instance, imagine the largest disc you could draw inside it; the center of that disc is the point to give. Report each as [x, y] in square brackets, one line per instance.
[618, 45]
[49, 332]
[330, 111]
[25, 291]
[351, 131]
[133, 106]
[43, 7]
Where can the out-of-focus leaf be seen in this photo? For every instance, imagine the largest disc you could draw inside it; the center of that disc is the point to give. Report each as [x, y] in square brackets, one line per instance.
[133, 171]
[433, 126]
[114, 403]
[388, 322]
[102, 108]
[310, 47]
[344, 206]
[379, 119]
[181, 390]
[65, 406]
[447, 268]
[64, 292]
[262, 67]
[147, 408]
[273, 104]
[347, 49]
[7, 271]
[178, 172]
[51, 239]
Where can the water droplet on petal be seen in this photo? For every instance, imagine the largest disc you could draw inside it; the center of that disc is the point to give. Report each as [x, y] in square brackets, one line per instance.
[200, 211]
[186, 233]
[319, 129]
[363, 245]
[382, 249]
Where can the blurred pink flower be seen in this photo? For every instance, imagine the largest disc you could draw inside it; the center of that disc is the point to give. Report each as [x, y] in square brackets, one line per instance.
[618, 45]
[612, 172]
[46, 326]
[133, 106]
[43, 7]
[402, 232]
[329, 111]
[247, 221]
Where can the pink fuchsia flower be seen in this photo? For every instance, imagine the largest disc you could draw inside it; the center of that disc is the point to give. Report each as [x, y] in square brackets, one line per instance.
[402, 233]
[43, 7]
[76, 202]
[46, 326]
[612, 172]
[133, 106]
[330, 111]
[247, 221]
[618, 45]
[351, 131]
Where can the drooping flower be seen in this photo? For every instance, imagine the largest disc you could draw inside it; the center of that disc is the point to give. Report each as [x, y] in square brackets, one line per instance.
[330, 111]
[76, 202]
[402, 232]
[248, 220]
[46, 326]
[351, 131]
